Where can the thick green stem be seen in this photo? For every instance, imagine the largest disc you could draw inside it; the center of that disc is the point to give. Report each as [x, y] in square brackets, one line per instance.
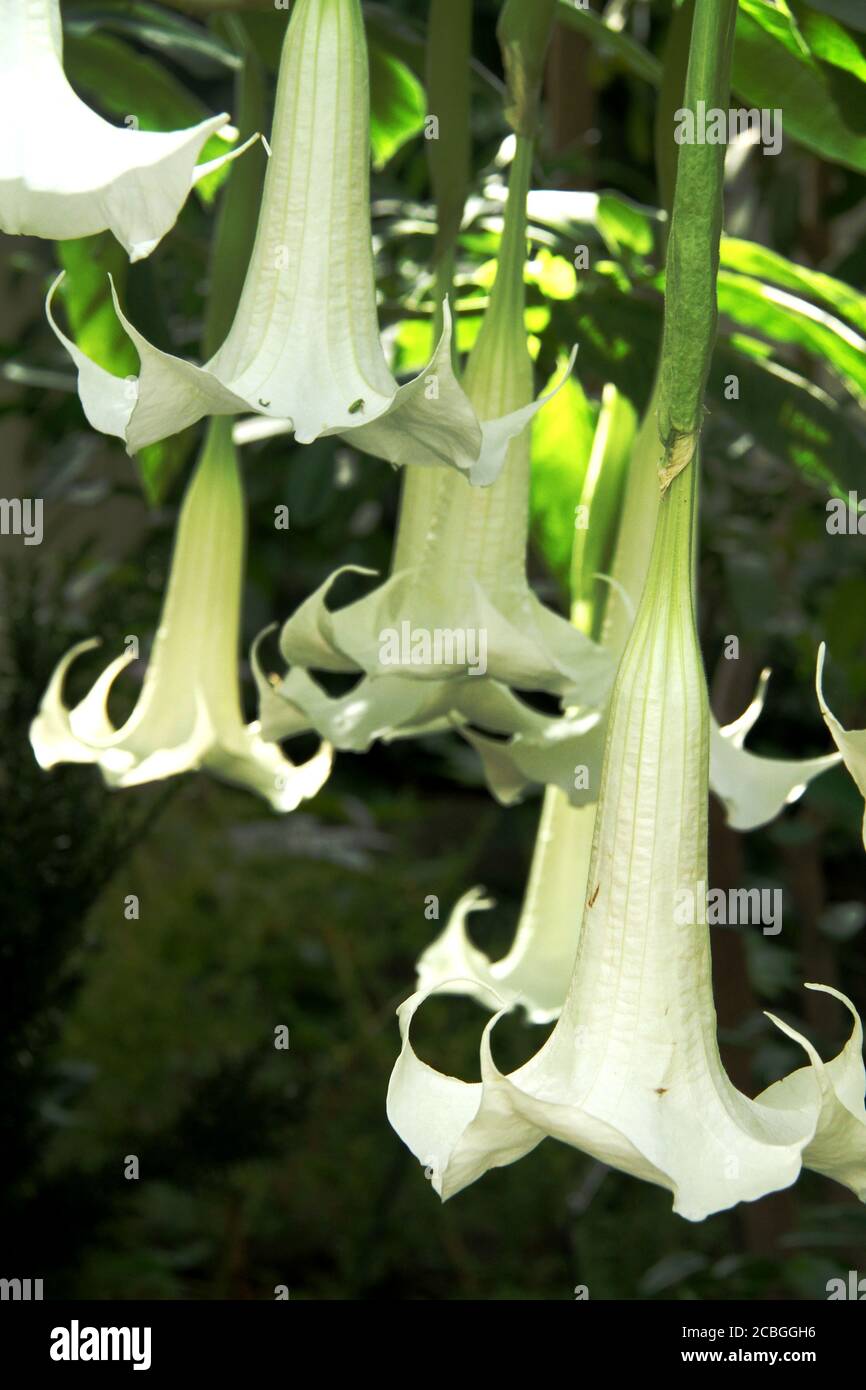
[693, 244]
[472, 529]
[449, 44]
[524, 32]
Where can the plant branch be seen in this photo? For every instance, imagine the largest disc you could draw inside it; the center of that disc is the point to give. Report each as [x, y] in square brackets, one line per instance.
[693, 244]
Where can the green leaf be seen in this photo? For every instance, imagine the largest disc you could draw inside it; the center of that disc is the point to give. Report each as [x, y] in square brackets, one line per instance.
[785, 318]
[775, 68]
[88, 262]
[185, 42]
[398, 105]
[562, 435]
[829, 42]
[790, 418]
[125, 83]
[749, 258]
[624, 225]
[850, 12]
[237, 216]
[632, 55]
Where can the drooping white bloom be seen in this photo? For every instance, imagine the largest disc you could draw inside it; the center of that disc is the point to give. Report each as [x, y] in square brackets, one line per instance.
[631, 1072]
[752, 787]
[304, 346]
[456, 629]
[850, 742]
[66, 172]
[188, 715]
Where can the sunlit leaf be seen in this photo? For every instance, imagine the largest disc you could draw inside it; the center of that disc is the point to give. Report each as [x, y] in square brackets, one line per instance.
[562, 435]
[398, 105]
[624, 225]
[782, 316]
[763, 264]
[774, 68]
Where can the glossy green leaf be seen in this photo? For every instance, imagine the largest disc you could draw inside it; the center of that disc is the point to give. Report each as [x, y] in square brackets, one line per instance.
[166, 31]
[749, 258]
[775, 68]
[624, 225]
[95, 326]
[398, 105]
[830, 42]
[779, 315]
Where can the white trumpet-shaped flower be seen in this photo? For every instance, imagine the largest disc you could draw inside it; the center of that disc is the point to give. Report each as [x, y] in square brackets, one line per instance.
[455, 629]
[188, 714]
[66, 172]
[304, 346]
[850, 742]
[631, 1072]
[752, 787]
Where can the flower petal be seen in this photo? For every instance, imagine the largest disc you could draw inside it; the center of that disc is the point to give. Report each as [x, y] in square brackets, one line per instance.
[537, 969]
[850, 742]
[66, 172]
[754, 789]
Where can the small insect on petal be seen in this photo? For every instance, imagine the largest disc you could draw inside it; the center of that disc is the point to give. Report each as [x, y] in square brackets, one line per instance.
[356, 406]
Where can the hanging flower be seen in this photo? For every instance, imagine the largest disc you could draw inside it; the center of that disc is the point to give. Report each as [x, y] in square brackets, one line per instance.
[304, 346]
[455, 630]
[535, 972]
[753, 788]
[631, 1072]
[850, 742]
[66, 172]
[188, 715]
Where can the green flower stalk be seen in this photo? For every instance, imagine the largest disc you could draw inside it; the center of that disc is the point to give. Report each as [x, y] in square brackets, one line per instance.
[459, 571]
[304, 349]
[64, 171]
[188, 714]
